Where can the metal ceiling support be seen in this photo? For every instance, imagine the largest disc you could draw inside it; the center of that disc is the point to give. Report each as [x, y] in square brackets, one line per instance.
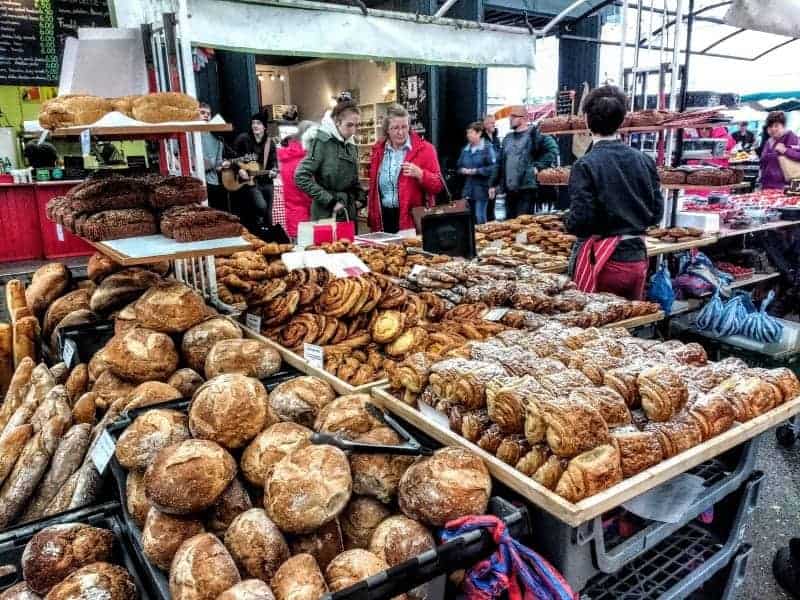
[444, 8]
[722, 39]
[697, 17]
[781, 45]
[569, 36]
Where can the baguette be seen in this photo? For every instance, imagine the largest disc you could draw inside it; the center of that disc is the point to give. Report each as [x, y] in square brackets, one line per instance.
[10, 448]
[41, 382]
[26, 338]
[63, 497]
[17, 390]
[66, 461]
[87, 486]
[54, 405]
[29, 470]
[15, 299]
[6, 356]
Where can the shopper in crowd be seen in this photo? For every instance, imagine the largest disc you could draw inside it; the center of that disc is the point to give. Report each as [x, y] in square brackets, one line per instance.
[477, 164]
[297, 204]
[523, 153]
[490, 133]
[254, 202]
[615, 196]
[744, 137]
[213, 157]
[404, 173]
[329, 172]
[781, 143]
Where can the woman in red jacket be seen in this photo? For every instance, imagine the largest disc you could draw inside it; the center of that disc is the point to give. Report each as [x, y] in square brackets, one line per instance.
[404, 173]
[297, 203]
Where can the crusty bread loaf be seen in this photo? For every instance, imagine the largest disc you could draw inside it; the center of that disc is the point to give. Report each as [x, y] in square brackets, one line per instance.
[20, 591]
[85, 409]
[41, 381]
[151, 393]
[148, 435]
[352, 566]
[101, 266]
[189, 476]
[234, 501]
[109, 388]
[141, 355]
[73, 109]
[54, 405]
[61, 307]
[17, 390]
[48, 283]
[299, 578]
[6, 356]
[247, 357]
[11, 445]
[452, 483]
[77, 382]
[324, 544]
[60, 372]
[97, 364]
[135, 497]
[398, 539]
[58, 550]
[96, 580]
[308, 488]
[186, 381]
[120, 288]
[249, 589]
[165, 106]
[269, 447]
[163, 534]
[378, 475]
[347, 416]
[198, 341]
[15, 298]
[229, 409]
[26, 339]
[300, 399]
[256, 544]
[359, 519]
[202, 569]
[170, 307]
[123, 104]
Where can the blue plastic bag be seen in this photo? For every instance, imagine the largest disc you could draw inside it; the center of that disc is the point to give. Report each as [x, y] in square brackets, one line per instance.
[698, 275]
[660, 289]
[734, 315]
[762, 327]
[709, 316]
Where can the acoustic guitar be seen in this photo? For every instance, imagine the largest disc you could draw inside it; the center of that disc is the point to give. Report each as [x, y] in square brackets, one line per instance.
[233, 183]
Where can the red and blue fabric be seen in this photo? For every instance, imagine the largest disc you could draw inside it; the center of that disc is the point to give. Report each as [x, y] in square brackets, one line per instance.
[513, 568]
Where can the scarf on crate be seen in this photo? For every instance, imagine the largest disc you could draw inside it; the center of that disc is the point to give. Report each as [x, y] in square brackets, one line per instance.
[592, 257]
[513, 568]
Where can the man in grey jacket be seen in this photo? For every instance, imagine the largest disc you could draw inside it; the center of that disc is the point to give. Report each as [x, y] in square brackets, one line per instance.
[525, 151]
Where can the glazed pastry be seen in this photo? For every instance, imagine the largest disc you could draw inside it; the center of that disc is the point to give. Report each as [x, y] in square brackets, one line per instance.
[593, 364]
[624, 381]
[466, 312]
[393, 297]
[572, 426]
[609, 404]
[507, 401]
[663, 392]
[533, 460]
[675, 436]
[474, 423]
[301, 329]
[409, 341]
[564, 380]
[535, 424]
[590, 473]
[783, 378]
[550, 472]
[281, 309]
[712, 413]
[412, 373]
[388, 326]
[339, 297]
[491, 439]
[749, 396]
[638, 450]
[512, 449]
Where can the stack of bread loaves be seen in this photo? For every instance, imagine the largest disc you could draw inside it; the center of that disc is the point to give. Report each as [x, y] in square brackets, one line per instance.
[234, 498]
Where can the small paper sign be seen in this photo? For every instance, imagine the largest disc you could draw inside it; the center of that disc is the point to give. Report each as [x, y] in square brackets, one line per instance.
[86, 142]
[416, 270]
[522, 237]
[102, 451]
[314, 355]
[354, 271]
[253, 322]
[495, 314]
[43, 137]
[59, 232]
[68, 353]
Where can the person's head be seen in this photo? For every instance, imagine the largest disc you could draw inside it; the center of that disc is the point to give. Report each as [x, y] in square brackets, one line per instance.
[346, 116]
[396, 126]
[776, 124]
[743, 126]
[205, 111]
[605, 109]
[474, 132]
[258, 125]
[518, 119]
[489, 124]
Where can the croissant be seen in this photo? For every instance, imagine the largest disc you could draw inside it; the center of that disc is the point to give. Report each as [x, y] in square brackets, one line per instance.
[534, 459]
[663, 392]
[590, 473]
[412, 373]
[549, 474]
[535, 424]
[491, 439]
[639, 450]
[512, 449]
[712, 413]
[507, 401]
[387, 326]
[675, 436]
[474, 423]
[749, 396]
[573, 427]
[608, 403]
[783, 378]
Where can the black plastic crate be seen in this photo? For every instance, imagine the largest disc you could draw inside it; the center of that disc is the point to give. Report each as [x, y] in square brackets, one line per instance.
[450, 233]
[107, 516]
[725, 584]
[685, 561]
[81, 342]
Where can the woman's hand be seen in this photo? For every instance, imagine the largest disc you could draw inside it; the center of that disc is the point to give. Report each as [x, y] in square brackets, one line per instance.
[412, 170]
[492, 193]
[780, 148]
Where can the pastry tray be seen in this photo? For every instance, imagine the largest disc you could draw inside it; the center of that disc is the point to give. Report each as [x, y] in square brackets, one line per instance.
[574, 514]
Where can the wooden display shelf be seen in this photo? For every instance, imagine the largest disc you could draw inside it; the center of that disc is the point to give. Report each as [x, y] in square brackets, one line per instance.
[684, 186]
[642, 129]
[634, 322]
[576, 514]
[727, 232]
[154, 129]
[654, 248]
[148, 249]
[753, 280]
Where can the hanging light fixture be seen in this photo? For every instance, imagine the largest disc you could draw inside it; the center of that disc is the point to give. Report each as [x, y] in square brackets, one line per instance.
[272, 76]
[281, 77]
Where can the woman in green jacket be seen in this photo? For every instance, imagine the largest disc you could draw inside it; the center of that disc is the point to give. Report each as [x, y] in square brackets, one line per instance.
[329, 172]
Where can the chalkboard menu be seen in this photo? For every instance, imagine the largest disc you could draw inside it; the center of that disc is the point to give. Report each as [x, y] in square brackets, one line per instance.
[32, 34]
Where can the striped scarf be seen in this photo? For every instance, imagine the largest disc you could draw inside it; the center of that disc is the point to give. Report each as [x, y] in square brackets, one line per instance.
[592, 257]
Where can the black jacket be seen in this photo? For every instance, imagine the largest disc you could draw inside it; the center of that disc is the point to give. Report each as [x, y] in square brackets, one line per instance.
[615, 190]
[245, 146]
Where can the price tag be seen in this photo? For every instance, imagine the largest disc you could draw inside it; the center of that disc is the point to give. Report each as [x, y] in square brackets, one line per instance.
[314, 355]
[495, 314]
[86, 142]
[497, 244]
[69, 352]
[354, 271]
[102, 451]
[252, 322]
[416, 270]
[43, 137]
[522, 237]
[59, 232]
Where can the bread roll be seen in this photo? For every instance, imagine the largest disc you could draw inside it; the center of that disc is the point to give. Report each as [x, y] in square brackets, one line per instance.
[352, 566]
[246, 357]
[269, 447]
[6, 356]
[15, 298]
[77, 382]
[347, 416]
[85, 409]
[121, 288]
[17, 390]
[234, 501]
[97, 580]
[450, 484]
[110, 388]
[11, 445]
[202, 569]
[299, 578]
[20, 591]
[61, 307]
[141, 355]
[324, 544]
[398, 539]
[48, 283]
[170, 307]
[359, 519]
[198, 341]
[56, 551]
[186, 382]
[300, 399]
[249, 589]
[26, 339]
[229, 409]
[163, 534]
[136, 499]
[378, 475]
[308, 488]
[60, 372]
[150, 433]
[188, 476]
[256, 544]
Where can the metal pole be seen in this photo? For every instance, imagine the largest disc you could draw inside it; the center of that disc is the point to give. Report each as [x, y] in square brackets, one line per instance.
[623, 44]
[445, 7]
[189, 84]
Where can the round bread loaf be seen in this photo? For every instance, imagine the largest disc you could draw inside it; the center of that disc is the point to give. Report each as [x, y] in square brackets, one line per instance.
[20, 591]
[48, 283]
[198, 341]
[269, 447]
[299, 578]
[189, 476]
[163, 534]
[352, 566]
[135, 498]
[256, 544]
[234, 501]
[56, 551]
[186, 381]
[450, 484]
[97, 580]
[246, 357]
[359, 519]
[398, 539]
[308, 488]
[324, 544]
[249, 589]
[229, 409]
[151, 393]
[378, 475]
[164, 106]
[109, 387]
[300, 399]
[141, 355]
[170, 307]
[150, 433]
[101, 266]
[202, 569]
[347, 416]
[61, 307]
[97, 364]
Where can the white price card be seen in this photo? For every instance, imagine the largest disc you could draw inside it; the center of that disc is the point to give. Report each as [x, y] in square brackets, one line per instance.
[86, 142]
[253, 322]
[68, 352]
[59, 232]
[522, 237]
[314, 355]
[416, 270]
[102, 451]
[495, 314]
[497, 244]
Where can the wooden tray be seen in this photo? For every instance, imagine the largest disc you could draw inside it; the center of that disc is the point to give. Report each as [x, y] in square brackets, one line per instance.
[576, 514]
[148, 249]
[638, 321]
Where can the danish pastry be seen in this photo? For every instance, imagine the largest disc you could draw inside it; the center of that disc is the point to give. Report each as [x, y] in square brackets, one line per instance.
[387, 326]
